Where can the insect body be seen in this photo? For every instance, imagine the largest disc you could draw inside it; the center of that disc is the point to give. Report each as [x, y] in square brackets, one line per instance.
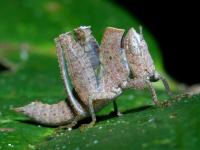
[98, 74]
[79, 59]
[94, 90]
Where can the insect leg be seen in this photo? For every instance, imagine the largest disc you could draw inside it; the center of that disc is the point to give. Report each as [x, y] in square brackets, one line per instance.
[64, 72]
[141, 84]
[116, 110]
[99, 96]
[72, 124]
[166, 85]
[92, 113]
[152, 91]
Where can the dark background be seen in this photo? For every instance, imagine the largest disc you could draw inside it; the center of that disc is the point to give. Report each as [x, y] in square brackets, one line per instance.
[176, 27]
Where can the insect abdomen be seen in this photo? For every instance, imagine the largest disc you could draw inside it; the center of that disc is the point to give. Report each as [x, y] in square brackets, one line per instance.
[52, 115]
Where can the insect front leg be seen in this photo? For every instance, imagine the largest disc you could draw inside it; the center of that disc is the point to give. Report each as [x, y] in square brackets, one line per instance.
[141, 84]
[152, 91]
[156, 76]
[166, 85]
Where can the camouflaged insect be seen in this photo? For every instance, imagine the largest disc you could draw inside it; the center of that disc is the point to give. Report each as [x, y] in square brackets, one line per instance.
[98, 74]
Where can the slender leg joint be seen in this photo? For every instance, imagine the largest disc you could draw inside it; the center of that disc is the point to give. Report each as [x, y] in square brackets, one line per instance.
[152, 91]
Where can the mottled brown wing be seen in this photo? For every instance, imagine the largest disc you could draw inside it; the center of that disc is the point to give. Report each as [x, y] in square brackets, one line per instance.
[89, 44]
[76, 106]
[113, 58]
[80, 69]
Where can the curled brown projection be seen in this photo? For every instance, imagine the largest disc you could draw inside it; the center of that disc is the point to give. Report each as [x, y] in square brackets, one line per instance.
[46, 114]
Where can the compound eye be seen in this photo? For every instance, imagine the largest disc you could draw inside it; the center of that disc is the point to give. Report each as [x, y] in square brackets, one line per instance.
[155, 77]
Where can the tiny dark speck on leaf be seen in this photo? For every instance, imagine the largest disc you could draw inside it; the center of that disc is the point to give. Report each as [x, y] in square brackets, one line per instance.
[7, 129]
[50, 138]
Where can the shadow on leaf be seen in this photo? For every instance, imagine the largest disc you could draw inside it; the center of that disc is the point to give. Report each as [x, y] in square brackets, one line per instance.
[88, 119]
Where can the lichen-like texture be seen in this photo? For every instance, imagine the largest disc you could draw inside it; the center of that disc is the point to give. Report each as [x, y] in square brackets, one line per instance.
[37, 77]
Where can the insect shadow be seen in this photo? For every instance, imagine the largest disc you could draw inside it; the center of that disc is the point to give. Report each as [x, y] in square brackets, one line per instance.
[113, 115]
[88, 119]
[30, 122]
[4, 67]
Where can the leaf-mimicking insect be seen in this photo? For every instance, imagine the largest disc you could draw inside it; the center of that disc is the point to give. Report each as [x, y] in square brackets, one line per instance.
[98, 74]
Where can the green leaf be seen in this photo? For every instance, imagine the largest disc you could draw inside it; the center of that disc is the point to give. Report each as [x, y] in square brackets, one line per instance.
[36, 23]
[39, 22]
[145, 127]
